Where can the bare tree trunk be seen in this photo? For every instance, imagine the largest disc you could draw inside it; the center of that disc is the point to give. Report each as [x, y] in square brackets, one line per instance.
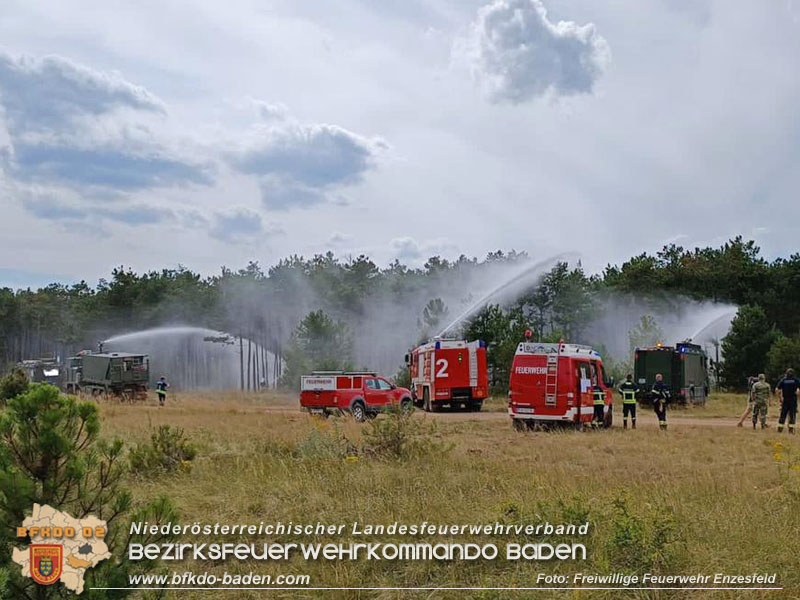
[249, 360]
[241, 362]
[265, 358]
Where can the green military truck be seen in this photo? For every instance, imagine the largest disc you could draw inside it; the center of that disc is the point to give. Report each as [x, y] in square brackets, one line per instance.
[109, 374]
[684, 367]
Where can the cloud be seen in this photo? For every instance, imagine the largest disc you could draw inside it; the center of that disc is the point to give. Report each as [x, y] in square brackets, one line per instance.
[52, 208]
[66, 123]
[312, 154]
[285, 193]
[518, 54]
[406, 248]
[302, 164]
[238, 224]
[269, 111]
[339, 239]
[141, 214]
[119, 168]
[49, 93]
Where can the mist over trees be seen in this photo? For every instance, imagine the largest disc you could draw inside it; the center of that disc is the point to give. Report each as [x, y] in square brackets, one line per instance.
[373, 315]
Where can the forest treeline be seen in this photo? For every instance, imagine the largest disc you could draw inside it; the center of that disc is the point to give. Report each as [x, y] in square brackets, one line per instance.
[315, 311]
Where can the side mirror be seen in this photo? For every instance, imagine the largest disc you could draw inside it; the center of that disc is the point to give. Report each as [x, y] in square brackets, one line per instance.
[408, 359]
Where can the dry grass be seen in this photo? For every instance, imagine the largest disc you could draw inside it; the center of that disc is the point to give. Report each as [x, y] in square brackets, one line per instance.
[734, 506]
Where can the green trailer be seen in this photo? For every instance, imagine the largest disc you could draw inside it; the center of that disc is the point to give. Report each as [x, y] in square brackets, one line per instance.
[109, 374]
[683, 366]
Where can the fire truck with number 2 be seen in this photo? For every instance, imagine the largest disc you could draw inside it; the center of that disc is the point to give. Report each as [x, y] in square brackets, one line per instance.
[449, 372]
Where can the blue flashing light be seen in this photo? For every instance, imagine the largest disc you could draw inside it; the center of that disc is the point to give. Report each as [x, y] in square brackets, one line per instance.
[438, 345]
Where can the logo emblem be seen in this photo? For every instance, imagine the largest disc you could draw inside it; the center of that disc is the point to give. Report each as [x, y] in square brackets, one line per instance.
[46, 563]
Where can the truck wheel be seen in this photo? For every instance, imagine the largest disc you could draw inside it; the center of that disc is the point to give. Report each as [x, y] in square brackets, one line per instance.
[406, 405]
[475, 406]
[359, 412]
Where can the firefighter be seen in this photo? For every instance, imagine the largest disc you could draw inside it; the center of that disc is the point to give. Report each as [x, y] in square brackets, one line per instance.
[628, 390]
[761, 391]
[599, 403]
[788, 386]
[661, 397]
[750, 383]
[161, 389]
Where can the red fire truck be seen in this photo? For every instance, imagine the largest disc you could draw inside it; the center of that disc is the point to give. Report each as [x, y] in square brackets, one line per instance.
[450, 372]
[554, 384]
[362, 394]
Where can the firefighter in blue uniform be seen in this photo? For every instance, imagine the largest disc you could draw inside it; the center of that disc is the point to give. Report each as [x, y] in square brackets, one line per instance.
[661, 397]
[788, 386]
[161, 390]
[628, 390]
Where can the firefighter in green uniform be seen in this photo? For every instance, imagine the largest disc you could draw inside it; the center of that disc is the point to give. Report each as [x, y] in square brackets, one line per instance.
[599, 396]
[628, 390]
[761, 391]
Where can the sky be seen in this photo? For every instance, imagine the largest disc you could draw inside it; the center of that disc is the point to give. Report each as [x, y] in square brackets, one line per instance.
[205, 133]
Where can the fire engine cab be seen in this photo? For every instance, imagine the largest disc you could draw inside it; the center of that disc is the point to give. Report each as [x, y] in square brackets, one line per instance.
[362, 394]
[452, 372]
[556, 384]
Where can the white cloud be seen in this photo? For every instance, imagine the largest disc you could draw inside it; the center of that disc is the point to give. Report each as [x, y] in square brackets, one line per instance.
[239, 225]
[302, 164]
[73, 125]
[339, 239]
[408, 249]
[49, 93]
[518, 54]
[313, 154]
[284, 193]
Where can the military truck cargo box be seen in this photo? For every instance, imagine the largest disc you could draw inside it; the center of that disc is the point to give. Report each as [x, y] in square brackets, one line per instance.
[118, 374]
[684, 368]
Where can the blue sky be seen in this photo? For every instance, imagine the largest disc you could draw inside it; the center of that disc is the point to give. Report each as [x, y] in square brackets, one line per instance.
[250, 130]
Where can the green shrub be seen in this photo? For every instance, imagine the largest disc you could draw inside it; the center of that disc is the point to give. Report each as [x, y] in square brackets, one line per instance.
[169, 450]
[12, 385]
[51, 453]
[641, 545]
[325, 441]
[399, 436]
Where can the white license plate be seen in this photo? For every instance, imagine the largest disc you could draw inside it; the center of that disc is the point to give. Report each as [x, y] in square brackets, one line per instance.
[524, 410]
[317, 411]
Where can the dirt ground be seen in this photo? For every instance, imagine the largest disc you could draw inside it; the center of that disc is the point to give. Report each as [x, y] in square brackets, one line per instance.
[723, 411]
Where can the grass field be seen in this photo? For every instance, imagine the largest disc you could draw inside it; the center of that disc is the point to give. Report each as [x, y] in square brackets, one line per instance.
[693, 500]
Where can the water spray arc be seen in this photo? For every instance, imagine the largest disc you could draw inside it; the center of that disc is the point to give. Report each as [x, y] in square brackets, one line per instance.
[511, 288]
[196, 358]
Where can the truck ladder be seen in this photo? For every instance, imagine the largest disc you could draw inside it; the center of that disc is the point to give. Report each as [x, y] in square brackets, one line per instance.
[551, 379]
[472, 349]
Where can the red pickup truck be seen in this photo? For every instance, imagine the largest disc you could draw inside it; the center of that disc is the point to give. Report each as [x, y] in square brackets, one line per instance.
[361, 394]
